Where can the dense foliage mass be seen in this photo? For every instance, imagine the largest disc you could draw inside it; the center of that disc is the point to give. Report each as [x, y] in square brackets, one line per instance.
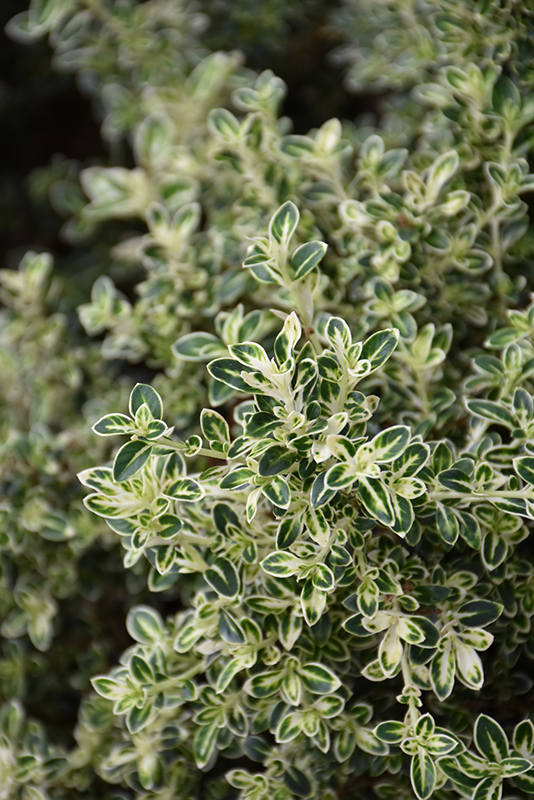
[302, 568]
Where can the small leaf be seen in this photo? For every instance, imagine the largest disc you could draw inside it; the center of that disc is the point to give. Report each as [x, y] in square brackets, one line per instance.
[490, 739]
[389, 444]
[281, 564]
[222, 576]
[305, 258]
[237, 479]
[313, 602]
[289, 728]
[228, 371]
[204, 743]
[113, 425]
[264, 685]
[284, 222]
[442, 672]
[198, 346]
[525, 468]
[495, 412]
[224, 124]
[143, 393]
[392, 732]
[185, 490]
[375, 497]
[215, 429]
[140, 670]
[488, 789]
[423, 774]
[278, 492]
[145, 625]
[318, 679]
[130, 459]
[379, 347]
[478, 613]
[274, 460]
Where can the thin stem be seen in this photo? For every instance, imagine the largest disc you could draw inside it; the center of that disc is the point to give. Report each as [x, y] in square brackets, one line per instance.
[203, 451]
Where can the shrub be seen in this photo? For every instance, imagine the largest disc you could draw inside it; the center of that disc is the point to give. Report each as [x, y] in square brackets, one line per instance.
[324, 477]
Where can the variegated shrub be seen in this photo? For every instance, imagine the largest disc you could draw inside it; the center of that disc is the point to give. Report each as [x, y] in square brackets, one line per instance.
[321, 490]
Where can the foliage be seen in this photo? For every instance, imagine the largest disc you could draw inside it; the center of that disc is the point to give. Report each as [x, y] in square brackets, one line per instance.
[324, 476]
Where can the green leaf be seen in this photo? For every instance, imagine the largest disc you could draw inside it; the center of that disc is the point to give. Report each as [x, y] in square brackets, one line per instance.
[278, 492]
[297, 782]
[222, 576]
[525, 468]
[109, 688]
[185, 490]
[229, 671]
[313, 602]
[442, 671]
[274, 460]
[447, 524]
[494, 550]
[488, 789]
[198, 346]
[375, 497]
[281, 564]
[138, 718]
[495, 412]
[204, 743]
[305, 258]
[428, 629]
[320, 492]
[441, 171]
[260, 425]
[285, 342]
[130, 459]
[440, 744]
[515, 766]
[403, 513]
[323, 578]
[411, 461]
[490, 739]
[423, 774]
[391, 732]
[340, 476]
[288, 532]
[284, 222]
[237, 479]
[318, 679]
[345, 745]
[230, 629]
[525, 782]
[524, 737]
[390, 651]
[338, 334]
[140, 670]
[215, 429]
[224, 124]
[114, 424]
[292, 688]
[379, 347]
[143, 393]
[289, 728]
[389, 444]
[456, 480]
[228, 371]
[250, 355]
[478, 613]
[264, 685]
[145, 625]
